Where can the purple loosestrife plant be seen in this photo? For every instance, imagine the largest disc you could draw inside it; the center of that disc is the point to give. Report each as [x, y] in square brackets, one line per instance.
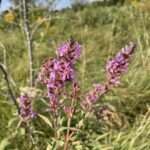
[118, 65]
[114, 68]
[93, 95]
[26, 112]
[69, 51]
[55, 73]
[26, 116]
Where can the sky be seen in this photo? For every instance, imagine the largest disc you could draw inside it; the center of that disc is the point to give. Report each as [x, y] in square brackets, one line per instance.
[62, 4]
[5, 4]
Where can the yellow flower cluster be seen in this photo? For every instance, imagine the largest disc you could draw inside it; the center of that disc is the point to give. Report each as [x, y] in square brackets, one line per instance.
[10, 16]
[42, 21]
[143, 5]
[134, 3]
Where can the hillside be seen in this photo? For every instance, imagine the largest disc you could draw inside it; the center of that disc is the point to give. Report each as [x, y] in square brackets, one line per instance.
[102, 31]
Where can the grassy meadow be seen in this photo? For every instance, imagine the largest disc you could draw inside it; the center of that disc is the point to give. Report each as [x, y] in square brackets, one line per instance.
[102, 31]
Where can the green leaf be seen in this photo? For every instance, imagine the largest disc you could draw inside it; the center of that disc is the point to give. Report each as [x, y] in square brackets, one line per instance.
[22, 131]
[46, 120]
[101, 136]
[11, 121]
[4, 143]
[49, 147]
[38, 132]
[71, 128]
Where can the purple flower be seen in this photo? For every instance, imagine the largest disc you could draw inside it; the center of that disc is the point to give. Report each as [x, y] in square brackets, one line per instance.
[68, 110]
[70, 51]
[26, 112]
[67, 73]
[54, 69]
[46, 70]
[119, 65]
[54, 73]
[114, 68]
[55, 89]
[101, 88]
[86, 105]
[128, 49]
[53, 105]
[93, 95]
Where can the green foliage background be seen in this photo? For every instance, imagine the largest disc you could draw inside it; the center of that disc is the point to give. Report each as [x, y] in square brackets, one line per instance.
[102, 31]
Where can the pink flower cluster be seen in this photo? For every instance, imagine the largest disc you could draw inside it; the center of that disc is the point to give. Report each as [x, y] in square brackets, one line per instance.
[119, 65]
[114, 69]
[93, 95]
[26, 111]
[55, 72]
[69, 51]
[74, 96]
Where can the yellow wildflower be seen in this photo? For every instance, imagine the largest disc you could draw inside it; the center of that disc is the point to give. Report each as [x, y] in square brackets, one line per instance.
[134, 3]
[9, 16]
[42, 21]
[39, 19]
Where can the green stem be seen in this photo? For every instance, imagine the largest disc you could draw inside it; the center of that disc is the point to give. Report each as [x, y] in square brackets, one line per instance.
[68, 130]
[29, 132]
[68, 127]
[55, 126]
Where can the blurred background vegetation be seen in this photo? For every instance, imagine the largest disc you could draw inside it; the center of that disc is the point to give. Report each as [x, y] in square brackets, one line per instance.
[102, 28]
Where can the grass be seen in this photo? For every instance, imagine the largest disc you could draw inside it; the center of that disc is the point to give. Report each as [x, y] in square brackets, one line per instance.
[102, 31]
